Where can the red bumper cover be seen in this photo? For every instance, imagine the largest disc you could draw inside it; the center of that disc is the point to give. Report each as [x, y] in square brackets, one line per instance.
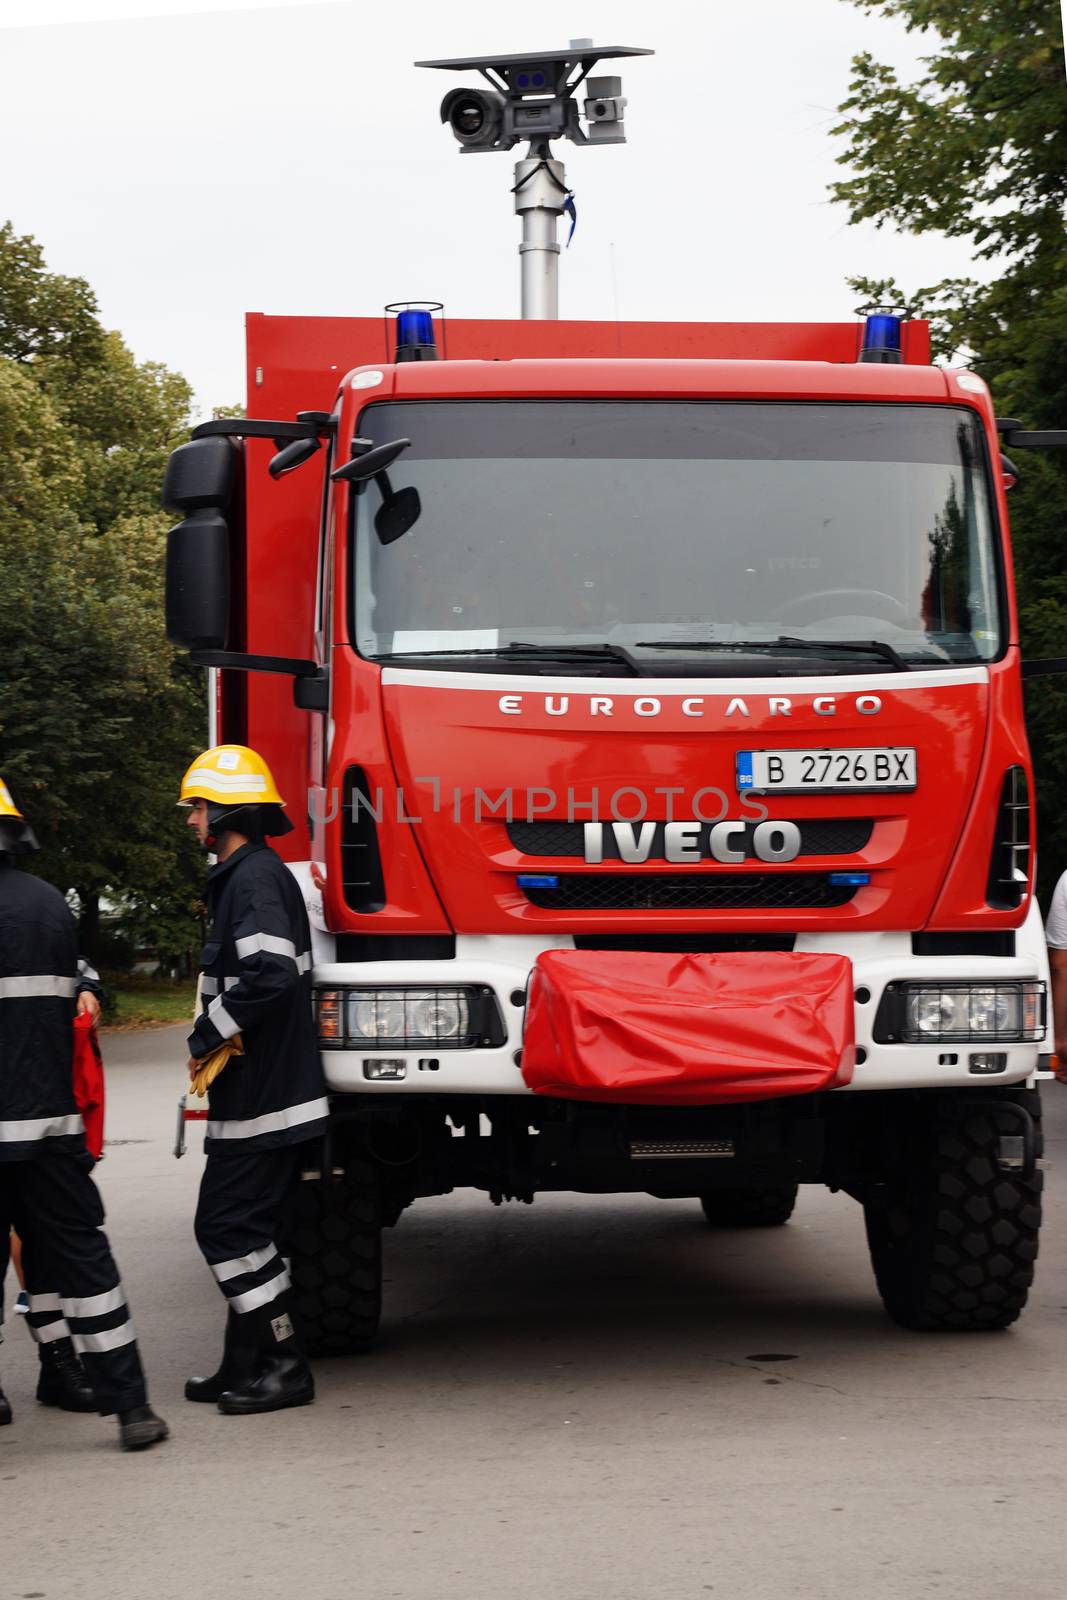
[649, 1028]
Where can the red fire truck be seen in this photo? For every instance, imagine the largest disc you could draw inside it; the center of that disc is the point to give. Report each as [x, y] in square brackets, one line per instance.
[648, 698]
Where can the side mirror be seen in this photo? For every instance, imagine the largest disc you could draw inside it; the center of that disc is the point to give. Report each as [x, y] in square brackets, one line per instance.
[198, 581]
[370, 463]
[293, 455]
[398, 512]
[200, 474]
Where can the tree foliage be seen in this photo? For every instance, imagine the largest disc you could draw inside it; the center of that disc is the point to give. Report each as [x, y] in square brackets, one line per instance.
[976, 148]
[100, 714]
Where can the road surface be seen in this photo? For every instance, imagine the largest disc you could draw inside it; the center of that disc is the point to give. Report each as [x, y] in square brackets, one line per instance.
[590, 1397]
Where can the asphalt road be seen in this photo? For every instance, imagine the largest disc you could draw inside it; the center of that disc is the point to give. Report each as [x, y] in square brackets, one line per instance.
[590, 1399]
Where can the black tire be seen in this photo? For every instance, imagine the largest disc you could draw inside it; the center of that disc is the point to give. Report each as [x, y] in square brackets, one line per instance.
[749, 1208]
[953, 1238]
[337, 1265]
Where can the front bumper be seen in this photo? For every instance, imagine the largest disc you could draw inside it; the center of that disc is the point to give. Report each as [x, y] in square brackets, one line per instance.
[503, 963]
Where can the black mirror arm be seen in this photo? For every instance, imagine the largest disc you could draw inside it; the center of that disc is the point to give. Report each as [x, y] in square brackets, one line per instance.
[311, 689]
[1016, 437]
[308, 425]
[1046, 667]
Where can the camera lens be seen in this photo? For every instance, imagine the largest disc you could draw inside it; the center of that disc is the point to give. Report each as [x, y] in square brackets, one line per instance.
[600, 109]
[468, 117]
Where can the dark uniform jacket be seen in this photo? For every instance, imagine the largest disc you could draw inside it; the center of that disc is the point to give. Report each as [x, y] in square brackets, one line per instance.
[40, 975]
[256, 981]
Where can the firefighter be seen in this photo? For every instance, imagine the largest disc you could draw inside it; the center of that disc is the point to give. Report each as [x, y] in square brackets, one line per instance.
[268, 1101]
[46, 1192]
[62, 1381]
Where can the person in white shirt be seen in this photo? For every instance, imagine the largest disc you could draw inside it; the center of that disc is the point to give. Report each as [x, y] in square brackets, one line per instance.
[1056, 939]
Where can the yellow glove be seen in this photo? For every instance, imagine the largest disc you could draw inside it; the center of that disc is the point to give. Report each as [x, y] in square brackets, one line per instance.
[212, 1065]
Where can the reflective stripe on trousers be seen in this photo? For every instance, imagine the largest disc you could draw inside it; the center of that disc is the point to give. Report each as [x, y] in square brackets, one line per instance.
[253, 1280]
[46, 1318]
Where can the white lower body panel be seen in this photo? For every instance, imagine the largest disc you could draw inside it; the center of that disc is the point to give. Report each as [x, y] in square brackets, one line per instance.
[503, 963]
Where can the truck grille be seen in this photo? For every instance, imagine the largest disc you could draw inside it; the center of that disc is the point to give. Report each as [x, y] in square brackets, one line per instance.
[831, 836]
[679, 1149]
[696, 891]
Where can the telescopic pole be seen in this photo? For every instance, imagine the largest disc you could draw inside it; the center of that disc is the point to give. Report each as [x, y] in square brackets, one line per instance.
[540, 192]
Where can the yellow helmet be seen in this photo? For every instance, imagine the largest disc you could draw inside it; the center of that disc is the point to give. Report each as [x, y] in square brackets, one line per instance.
[8, 808]
[14, 829]
[240, 792]
[230, 775]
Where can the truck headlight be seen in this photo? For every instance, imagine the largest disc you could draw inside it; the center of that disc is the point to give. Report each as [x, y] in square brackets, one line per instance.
[959, 1010]
[370, 1017]
[448, 1018]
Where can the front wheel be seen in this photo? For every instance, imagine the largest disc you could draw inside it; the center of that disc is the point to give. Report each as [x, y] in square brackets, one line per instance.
[337, 1264]
[749, 1208]
[953, 1237]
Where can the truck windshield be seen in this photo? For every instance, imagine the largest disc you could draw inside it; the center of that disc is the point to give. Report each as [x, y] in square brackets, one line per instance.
[661, 525]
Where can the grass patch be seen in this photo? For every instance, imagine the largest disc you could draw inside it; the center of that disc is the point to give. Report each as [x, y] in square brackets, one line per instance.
[137, 1001]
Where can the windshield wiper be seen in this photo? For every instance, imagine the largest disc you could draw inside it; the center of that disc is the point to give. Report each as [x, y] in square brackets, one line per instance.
[784, 641]
[576, 652]
[518, 649]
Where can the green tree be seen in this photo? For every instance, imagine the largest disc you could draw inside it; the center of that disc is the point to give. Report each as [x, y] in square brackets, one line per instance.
[100, 714]
[976, 148]
[45, 319]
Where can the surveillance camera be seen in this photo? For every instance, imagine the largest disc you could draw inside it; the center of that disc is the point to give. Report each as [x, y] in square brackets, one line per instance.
[605, 111]
[475, 116]
[532, 98]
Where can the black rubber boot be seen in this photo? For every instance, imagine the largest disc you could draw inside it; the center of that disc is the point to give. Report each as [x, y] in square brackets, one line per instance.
[282, 1375]
[62, 1381]
[141, 1428]
[5, 1409]
[238, 1364]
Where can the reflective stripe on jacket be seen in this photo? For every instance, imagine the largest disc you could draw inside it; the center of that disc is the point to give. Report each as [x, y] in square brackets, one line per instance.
[256, 981]
[38, 982]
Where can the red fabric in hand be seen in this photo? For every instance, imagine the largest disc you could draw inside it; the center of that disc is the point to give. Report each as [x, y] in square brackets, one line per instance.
[651, 1028]
[89, 1083]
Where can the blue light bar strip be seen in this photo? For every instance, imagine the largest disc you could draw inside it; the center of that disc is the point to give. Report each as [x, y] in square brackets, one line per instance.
[538, 880]
[855, 880]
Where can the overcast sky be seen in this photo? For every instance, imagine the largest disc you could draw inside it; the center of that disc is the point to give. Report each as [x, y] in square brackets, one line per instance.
[194, 162]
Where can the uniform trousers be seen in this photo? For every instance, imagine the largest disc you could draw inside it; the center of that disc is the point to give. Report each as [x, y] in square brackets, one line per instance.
[73, 1282]
[242, 1218]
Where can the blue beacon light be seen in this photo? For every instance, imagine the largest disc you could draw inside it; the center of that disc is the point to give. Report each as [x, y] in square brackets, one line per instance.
[414, 327]
[415, 337]
[881, 337]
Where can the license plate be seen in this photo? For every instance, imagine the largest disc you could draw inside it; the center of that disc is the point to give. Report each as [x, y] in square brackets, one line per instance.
[823, 771]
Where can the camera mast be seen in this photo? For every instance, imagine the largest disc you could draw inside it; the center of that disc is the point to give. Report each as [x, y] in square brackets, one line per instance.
[531, 97]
